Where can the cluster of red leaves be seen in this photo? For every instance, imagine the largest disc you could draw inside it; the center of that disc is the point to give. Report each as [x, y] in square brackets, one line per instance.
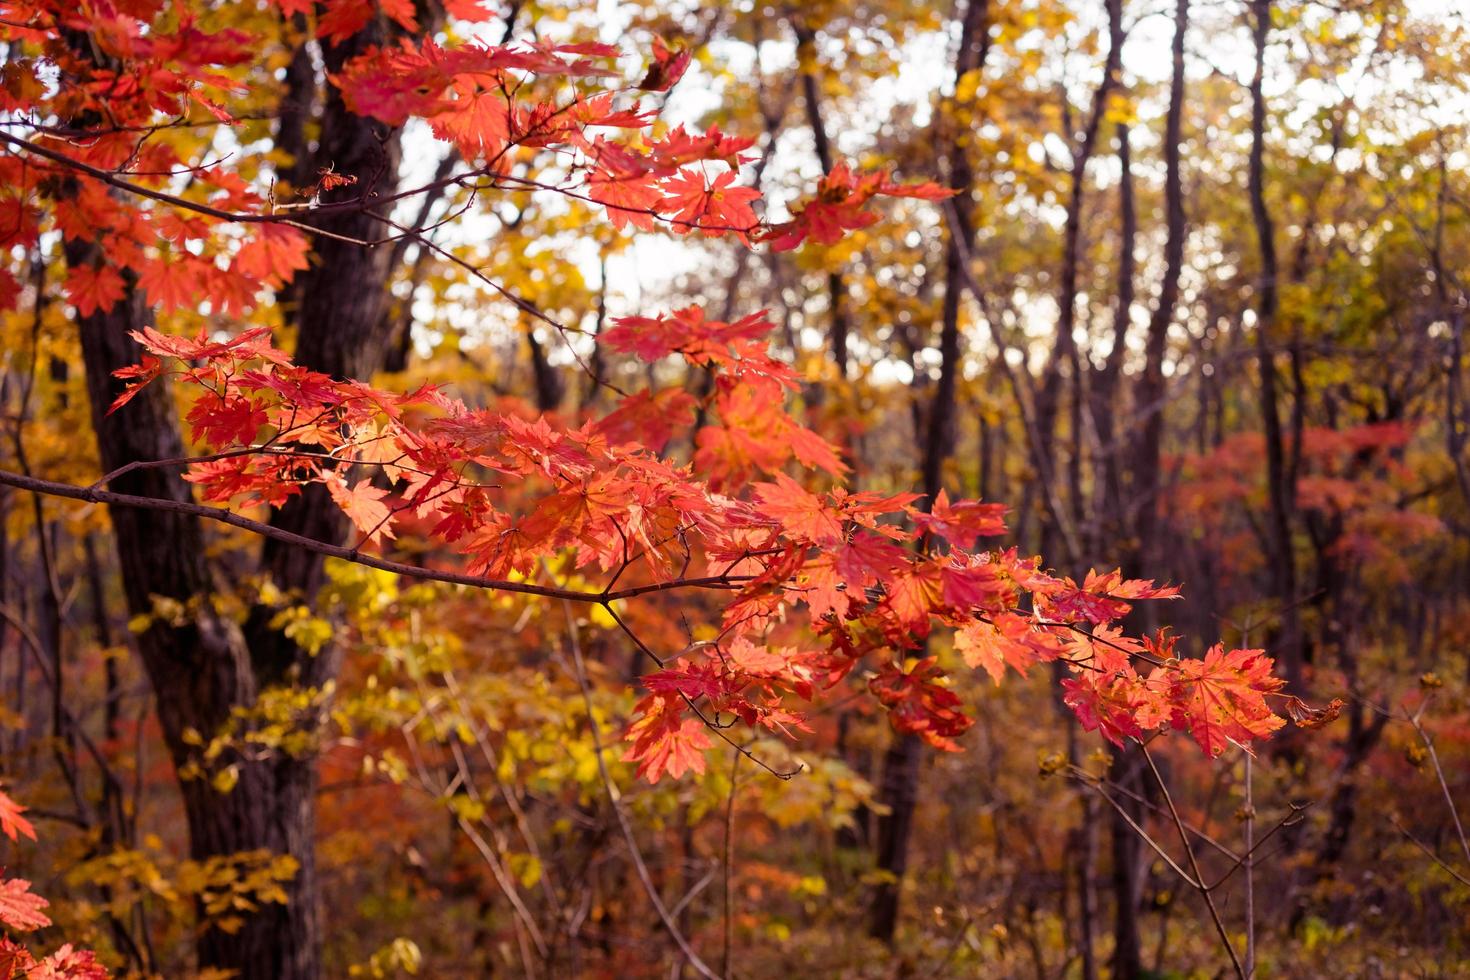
[1356, 479]
[21, 911]
[159, 66]
[486, 100]
[511, 491]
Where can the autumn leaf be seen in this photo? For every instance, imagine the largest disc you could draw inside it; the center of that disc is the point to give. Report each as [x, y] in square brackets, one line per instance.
[962, 521]
[1007, 640]
[364, 507]
[273, 256]
[11, 821]
[69, 963]
[664, 742]
[715, 207]
[20, 909]
[802, 515]
[94, 288]
[1221, 699]
[171, 282]
[667, 67]
[919, 704]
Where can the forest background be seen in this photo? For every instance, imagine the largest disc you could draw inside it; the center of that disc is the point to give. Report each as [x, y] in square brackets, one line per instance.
[1193, 309]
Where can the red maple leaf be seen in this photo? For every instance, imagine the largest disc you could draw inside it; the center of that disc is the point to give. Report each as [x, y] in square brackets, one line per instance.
[11, 821]
[20, 908]
[69, 963]
[1007, 640]
[171, 281]
[961, 522]
[802, 516]
[667, 68]
[273, 256]
[1222, 698]
[664, 741]
[715, 207]
[918, 703]
[94, 288]
[231, 420]
[363, 505]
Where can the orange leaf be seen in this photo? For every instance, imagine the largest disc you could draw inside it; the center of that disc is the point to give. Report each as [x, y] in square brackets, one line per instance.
[11, 821]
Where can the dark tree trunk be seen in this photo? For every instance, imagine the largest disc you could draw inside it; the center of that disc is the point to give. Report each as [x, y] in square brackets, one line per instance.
[900, 786]
[200, 669]
[811, 97]
[1124, 771]
[206, 666]
[1282, 558]
[1143, 493]
[899, 792]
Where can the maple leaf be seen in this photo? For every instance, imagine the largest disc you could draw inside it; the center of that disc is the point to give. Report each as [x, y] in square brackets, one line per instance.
[94, 288]
[826, 591]
[232, 420]
[1303, 715]
[253, 343]
[1007, 640]
[838, 207]
[478, 122]
[1222, 698]
[364, 507]
[16, 962]
[667, 67]
[961, 522]
[918, 703]
[715, 207]
[171, 282]
[911, 596]
[11, 821]
[142, 373]
[1107, 702]
[20, 909]
[628, 198]
[812, 451]
[328, 179]
[803, 516]
[340, 19]
[69, 963]
[647, 418]
[664, 742]
[1113, 584]
[273, 256]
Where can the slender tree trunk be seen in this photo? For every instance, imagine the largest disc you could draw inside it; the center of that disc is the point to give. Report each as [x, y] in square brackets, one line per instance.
[899, 788]
[1104, 388]
[812, 98]
[1065, 354]
[1282, 558]
[1136, 509]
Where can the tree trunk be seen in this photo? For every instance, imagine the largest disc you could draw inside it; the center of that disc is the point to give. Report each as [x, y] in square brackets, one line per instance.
[199, 667]
[900, 786]
[812, 99]
[1282, 558]
[204, 666]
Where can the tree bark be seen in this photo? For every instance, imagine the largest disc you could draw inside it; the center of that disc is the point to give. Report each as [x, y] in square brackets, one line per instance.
[900, 786]
[204, 666]
[812, 99]
[199, 667]
[1282, 558]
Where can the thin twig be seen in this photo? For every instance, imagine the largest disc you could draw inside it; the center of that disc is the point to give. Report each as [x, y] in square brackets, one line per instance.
[1194, 864]
[644, 877]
